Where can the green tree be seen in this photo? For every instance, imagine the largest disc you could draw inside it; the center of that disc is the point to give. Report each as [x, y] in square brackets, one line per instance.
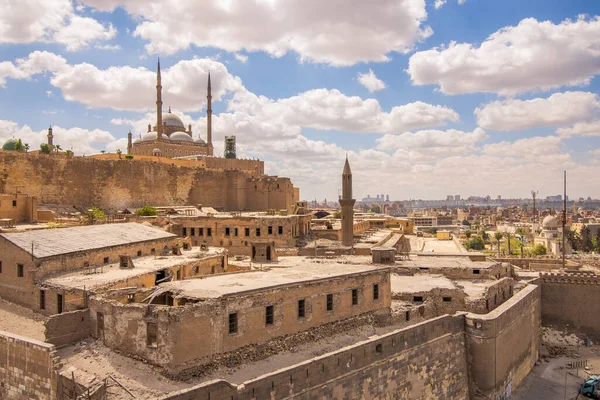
[57, 148]
[597, 249]
[476, 243]
[485, 236]
[468, 233]
[146, 211]
[498, 236]
[520, 246]
[45, 148]
[93, 215]
[466, 223]
[102, 151]
[69, 153]
[19, 145]
[26, 147]
[129, 157]
[375, 209]
[119, 153]
[539, 250]
[521, 232]
[586, 240]
[573, 240]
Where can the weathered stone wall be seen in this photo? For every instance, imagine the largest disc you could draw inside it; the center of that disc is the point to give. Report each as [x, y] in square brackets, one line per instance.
[20, 207]
[570, 299]
[66, 328]
[27, 368]
[423, 361]
[116, 184]
[502, 346]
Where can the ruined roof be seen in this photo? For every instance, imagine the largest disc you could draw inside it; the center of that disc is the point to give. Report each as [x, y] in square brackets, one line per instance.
[54, 242]
[220, 285]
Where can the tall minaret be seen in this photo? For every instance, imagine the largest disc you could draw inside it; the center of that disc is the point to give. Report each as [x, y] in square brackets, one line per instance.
[209, 118]
[129, 144]
[347, 203]
[50, 138]
[159, 103]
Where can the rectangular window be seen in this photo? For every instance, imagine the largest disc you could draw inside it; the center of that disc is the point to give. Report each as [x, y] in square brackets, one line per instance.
[446, 299]
[139, 253]
[20, 270]
[417, 299]
[42, 299]
[130, 298]
[257, 232]
[105, 260]
[151, 334]
[270, 230]
[153, 251]
[376, 291]
[208, 231]
[354, 297]
[270, 315]
[329, 302]
[227, 232]
[14, 203]
[233, 323]
[59, 303]
[0, 267]
[184, 231]
[200, 231]
[280, 230]
[301, 309]
[246, 232]
[476, 272]
[193, 231]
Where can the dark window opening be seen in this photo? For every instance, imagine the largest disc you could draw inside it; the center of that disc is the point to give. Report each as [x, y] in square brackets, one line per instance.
[495, 299]
[270, 315]
[178, 274]
[487, 304]
[235, 232]
[184, 231]
[417, 299]
[510, 289]
[185, 246]
[0, 267]
[151, 334]
[105, 260]
[139, 253]
[227, 231]
[475, 272]
[153, 251]
[200, 231]
[197, 270]
[376, 291]
[280, 230]
[160, 276]
[301, 309]
[354, 297]
[20, 272]
[130, 298]
[270, 230]
[59, 303]
[42, 299]
[246, 232]
[379, 348]
[233, 323]
[14, 203]
[208, 231]
[329, 302]
[446, 299]
[257, 231]
[408, 315]
[193, 231]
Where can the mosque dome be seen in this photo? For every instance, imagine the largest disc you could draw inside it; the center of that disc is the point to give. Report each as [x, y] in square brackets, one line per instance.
[550, 222]
[152, 136]
[138, 140]
[10, 144]
[156, 151]
[200, 141]
[181, 136]
[172, 120]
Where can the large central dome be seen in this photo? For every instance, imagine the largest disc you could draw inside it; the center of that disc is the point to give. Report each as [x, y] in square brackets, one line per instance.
[172, 120]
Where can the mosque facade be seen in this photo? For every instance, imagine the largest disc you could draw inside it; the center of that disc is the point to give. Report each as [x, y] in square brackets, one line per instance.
[170, 137]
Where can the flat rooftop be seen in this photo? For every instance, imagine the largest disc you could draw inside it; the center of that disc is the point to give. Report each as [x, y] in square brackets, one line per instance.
[111, 273]
[425, 283]
[209, 212]
[211, 287]
[60, 241]
[445, 262]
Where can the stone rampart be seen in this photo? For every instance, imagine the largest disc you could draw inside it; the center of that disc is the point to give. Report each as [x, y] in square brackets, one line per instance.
[426, 360]
[27, 368]
[569, 299]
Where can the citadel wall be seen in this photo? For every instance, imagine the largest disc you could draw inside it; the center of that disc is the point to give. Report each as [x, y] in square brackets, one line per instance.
[117, 184]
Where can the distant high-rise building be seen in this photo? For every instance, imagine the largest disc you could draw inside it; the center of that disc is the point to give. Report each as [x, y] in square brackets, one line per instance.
[457, 197]
[387, 197]
[449, 197]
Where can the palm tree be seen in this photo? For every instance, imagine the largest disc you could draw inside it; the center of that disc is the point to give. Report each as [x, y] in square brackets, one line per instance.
[119, 153]
[498, 236]
[57, 148]
[508, 242]
[26, 147]
[19, 145]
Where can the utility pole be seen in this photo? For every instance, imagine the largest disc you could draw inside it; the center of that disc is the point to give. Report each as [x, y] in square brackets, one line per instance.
[564, 218]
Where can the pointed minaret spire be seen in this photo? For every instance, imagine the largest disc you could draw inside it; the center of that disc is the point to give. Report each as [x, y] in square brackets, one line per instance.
[209, 117]
[159, 103]
[347, 203]
[50, 137]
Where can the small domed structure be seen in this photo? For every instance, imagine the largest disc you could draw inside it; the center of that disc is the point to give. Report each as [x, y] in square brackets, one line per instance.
[199, 140]
[138, 140]
[550, 222]
[181, 136]
[10, 144]
[156, 152]
[152, 136]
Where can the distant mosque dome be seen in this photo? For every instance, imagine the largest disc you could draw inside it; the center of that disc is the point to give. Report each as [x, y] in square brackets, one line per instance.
[181, 136]
[172, 120]
[156, 151]
[138, 140]
[10, 144]
[550, 222]
[199, 140]
[153, 136]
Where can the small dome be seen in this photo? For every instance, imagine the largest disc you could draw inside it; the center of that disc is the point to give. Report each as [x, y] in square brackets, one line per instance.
[138, 140]
[10, 144]
[199, 140]
[181, 136]
[152, 136]
[172, 120]
[550, 222]
[156, 151]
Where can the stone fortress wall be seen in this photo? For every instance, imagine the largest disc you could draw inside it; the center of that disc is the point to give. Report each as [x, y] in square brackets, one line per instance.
[571, 299]
[113, 183]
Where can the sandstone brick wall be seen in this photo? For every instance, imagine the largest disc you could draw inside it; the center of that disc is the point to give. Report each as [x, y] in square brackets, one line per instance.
[66, 328]
[27, 368]
[571, 299]
[424, 361]
[502, 346]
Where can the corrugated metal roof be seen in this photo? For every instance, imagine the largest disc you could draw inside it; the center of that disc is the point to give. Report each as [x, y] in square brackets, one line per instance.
[53, 242]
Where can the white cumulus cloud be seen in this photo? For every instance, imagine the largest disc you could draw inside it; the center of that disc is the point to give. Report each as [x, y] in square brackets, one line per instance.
[591, 128]
[371, 82]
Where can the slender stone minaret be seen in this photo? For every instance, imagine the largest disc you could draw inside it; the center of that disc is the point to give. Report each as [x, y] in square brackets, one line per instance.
[159, 103]
[209, 118]
[347, 203]
[50, 138]
[129, 144]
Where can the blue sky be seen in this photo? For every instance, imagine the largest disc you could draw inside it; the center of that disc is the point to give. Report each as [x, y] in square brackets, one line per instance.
[287, 78]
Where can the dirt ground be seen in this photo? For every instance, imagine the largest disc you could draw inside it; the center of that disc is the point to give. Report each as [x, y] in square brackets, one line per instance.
[553, 378]
[21, 321]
